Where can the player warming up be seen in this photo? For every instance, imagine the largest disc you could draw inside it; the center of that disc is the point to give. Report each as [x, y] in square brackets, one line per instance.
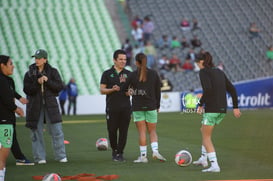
[8, 108]
[144, 86]
[215, 84]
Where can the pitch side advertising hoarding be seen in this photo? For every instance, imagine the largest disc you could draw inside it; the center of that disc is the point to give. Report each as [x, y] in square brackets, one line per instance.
[170, 102]
[95, 104]
[252, 94]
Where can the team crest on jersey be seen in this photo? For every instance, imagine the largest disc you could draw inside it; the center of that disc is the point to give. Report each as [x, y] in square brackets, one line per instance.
[122, 77]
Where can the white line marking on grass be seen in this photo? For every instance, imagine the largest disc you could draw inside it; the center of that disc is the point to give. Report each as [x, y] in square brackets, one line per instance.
[83, 121]
[72, 122]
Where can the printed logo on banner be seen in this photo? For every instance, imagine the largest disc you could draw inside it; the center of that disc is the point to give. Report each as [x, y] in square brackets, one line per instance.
[165, 102]
[251, 94]
[259, 100]
[254, 94]
[189, 102]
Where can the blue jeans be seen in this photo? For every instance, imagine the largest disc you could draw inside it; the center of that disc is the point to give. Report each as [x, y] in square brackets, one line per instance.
[57, 137]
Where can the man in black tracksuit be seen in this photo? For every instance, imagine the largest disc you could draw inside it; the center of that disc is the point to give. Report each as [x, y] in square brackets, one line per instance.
[118, 106]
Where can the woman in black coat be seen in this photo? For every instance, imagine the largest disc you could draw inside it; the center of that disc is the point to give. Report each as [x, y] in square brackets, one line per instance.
[42, 84]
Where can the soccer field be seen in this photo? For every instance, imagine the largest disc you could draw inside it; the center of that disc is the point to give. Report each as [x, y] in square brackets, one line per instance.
[244, 147]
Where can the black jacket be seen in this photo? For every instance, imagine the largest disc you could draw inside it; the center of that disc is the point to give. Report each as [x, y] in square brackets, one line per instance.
[7, 102]
[215, 84]
[35, 97]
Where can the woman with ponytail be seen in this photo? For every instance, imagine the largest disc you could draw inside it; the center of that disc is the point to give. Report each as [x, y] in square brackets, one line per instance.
[215, 84]
[144, 87]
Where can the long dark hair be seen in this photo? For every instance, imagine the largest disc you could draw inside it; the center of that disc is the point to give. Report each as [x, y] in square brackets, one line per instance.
[208, 61]
[141, 58]
[3, 60]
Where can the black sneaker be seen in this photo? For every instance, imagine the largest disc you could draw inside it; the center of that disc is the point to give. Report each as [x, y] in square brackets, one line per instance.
[120, 158]
[114, 155]
[24, 162]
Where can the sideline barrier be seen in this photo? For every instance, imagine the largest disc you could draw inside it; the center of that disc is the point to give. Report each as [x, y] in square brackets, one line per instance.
[95, 104]
[252, 94]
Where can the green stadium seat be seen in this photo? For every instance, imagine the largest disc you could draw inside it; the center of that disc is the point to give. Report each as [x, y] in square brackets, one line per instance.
[78, 35]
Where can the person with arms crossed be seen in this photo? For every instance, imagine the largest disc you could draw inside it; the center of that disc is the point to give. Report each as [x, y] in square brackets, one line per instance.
[8, 109]
[118, 106]
[215, 84]
[144, 86]
[42, 84]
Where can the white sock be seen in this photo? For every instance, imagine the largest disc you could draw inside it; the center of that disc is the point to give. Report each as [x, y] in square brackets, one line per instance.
[2, 175]
[213, 159]
[203, 152]
[143, 151]
[154, 146]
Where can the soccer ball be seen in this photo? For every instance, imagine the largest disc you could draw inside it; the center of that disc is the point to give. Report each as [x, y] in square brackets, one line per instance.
[183, 158]
[102, 144]
[51, 177]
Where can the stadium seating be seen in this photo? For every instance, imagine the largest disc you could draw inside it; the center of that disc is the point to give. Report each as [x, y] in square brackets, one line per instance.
[224, 32]
[78, 35]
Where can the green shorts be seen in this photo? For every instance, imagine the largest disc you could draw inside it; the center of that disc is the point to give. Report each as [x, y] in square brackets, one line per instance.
[148, 116]
[6, 135]
[212, 119]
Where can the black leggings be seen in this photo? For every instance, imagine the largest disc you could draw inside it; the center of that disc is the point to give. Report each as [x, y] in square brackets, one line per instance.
[15, 148]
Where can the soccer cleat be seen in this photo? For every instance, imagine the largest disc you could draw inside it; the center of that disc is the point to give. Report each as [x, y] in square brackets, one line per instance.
[42, 162]
[201, 161]
[141, 159]
[24, 162]
[156, 155]
[64, 160]
[212, 169]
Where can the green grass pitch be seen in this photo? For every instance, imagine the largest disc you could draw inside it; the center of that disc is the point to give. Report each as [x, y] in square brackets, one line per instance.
[244, 147]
